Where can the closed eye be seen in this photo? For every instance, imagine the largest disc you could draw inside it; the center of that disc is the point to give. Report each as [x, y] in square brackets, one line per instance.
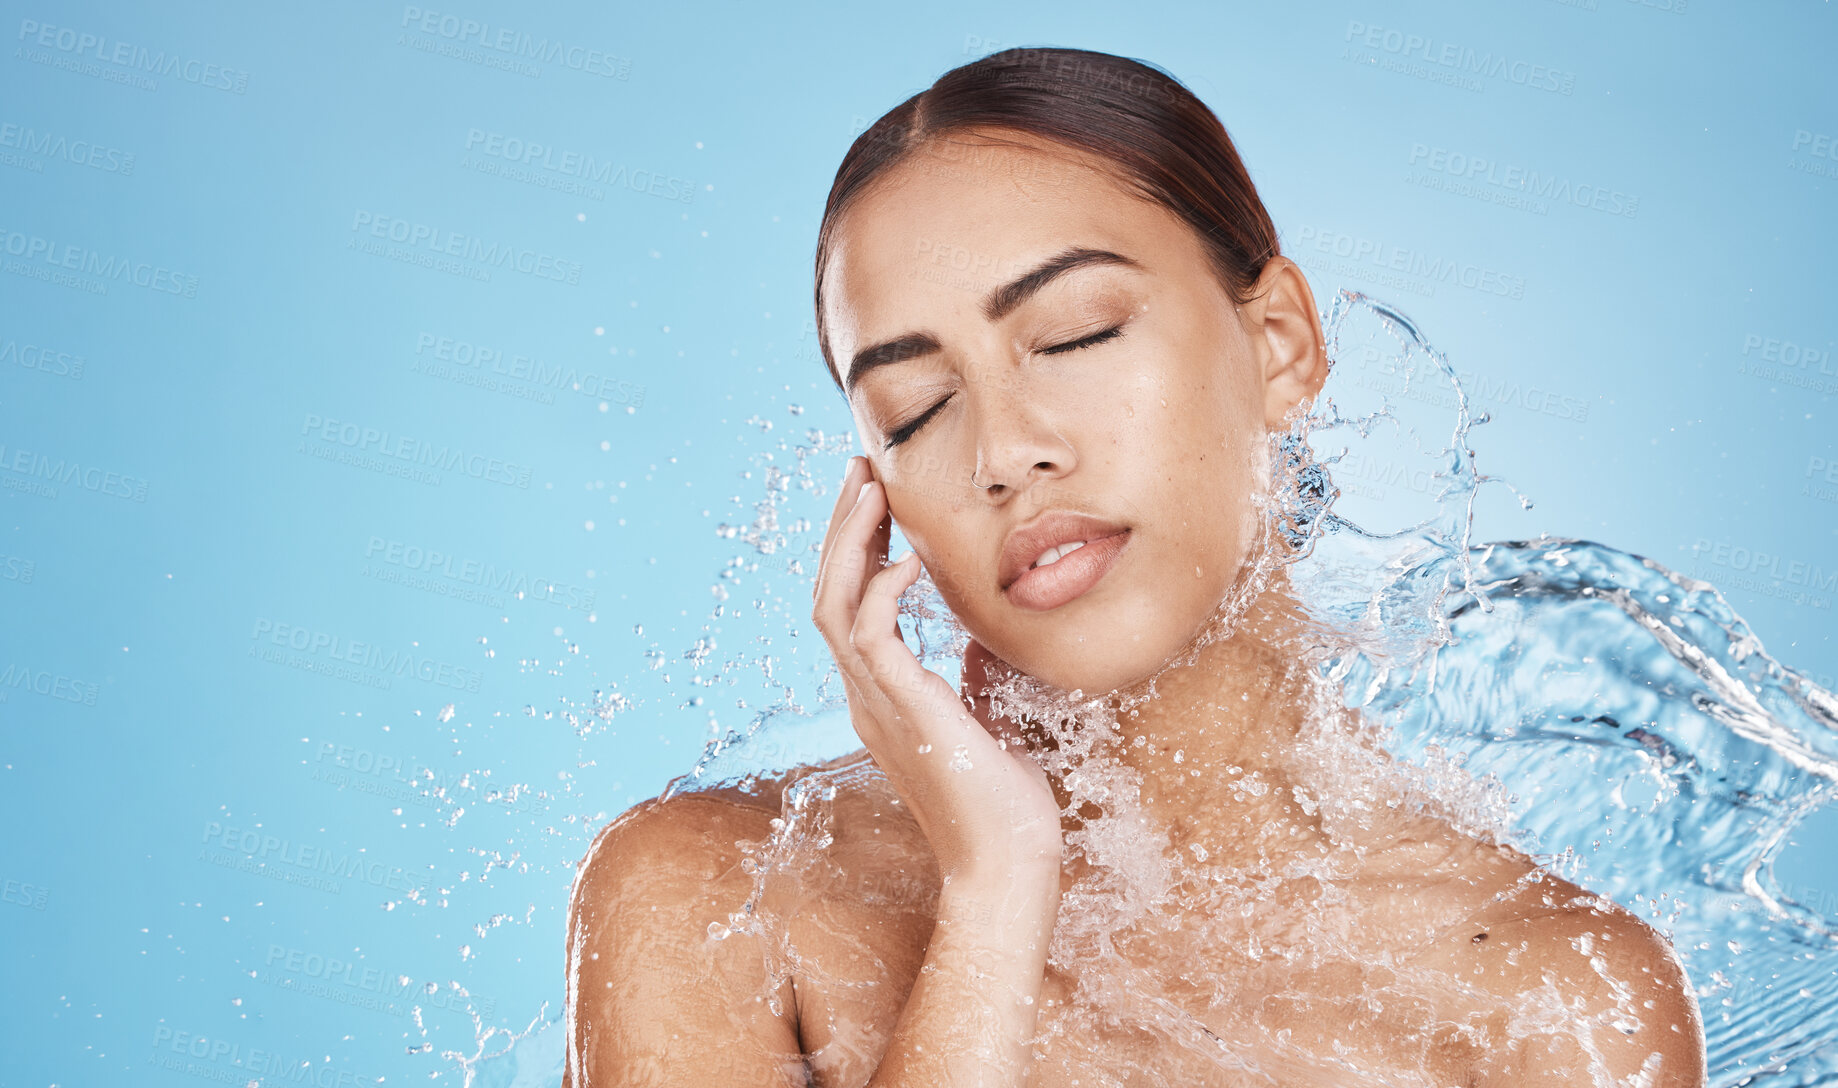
[1097, 338]
[907, 430]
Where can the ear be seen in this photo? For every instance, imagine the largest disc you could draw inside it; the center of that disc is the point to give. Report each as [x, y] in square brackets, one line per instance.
[1281, 319]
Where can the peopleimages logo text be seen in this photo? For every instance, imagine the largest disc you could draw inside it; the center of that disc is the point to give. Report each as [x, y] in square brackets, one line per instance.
[79, 43]
[52, 145]
[414, 451]
[232, 1064]
[49, 684]
[472, 572]
[1815, 143]
[274, 850]
[318, 648]
[1413, 262]
[48, 360]
[1460, 58]
[466, 247]
[102, 481]
[559, 377]
[516, 43]
[1778, 568]
[575, 164]
[104, 267]
[344, 981]
[1520, 179]
[1770, 349]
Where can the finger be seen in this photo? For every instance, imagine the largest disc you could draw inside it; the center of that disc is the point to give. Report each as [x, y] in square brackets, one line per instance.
[874, 549]
[881, 539]
[849, 565]
[883, 530]
[846, 493]
[902, 679]
[842, 575]
[846, 496]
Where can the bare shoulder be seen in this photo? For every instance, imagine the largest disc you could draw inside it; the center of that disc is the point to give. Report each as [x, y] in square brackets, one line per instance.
[651, 998]
[1600, 978]
[687, 842]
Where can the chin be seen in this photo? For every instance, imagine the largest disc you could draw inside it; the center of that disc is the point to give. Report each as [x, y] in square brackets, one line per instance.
[1096, 673]
[1102, 650]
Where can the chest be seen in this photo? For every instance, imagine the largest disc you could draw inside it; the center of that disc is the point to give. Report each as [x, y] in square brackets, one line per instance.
[1124, 1015]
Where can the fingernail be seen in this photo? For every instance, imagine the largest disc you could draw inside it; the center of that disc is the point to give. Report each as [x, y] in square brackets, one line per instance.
[863, 491]
[904, 556]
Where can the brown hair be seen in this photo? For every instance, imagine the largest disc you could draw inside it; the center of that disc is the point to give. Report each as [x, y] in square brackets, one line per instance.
[1159, 135]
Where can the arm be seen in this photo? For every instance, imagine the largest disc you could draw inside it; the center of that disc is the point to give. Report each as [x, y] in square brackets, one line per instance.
[974, 1007]
[984, 805]
[653, 1001]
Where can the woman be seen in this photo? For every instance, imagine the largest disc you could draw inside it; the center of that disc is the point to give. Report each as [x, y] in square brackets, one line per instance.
[1055, 304]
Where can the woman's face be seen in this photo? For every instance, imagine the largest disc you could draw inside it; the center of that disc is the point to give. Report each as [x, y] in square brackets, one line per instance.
[1016, 313]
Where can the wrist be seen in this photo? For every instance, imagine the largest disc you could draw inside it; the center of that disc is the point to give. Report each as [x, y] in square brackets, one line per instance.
[1033, 858]
[1030, 887]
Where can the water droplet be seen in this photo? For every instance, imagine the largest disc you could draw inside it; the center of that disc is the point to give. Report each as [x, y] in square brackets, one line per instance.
[960, 758]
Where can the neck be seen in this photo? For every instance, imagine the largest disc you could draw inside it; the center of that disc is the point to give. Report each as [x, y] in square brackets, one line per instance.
[1212, 738]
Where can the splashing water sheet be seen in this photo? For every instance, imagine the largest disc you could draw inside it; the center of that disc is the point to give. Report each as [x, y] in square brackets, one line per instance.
[1611, 718]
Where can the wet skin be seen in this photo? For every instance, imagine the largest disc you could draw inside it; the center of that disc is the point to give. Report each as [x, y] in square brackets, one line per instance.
[1435, 901]
[1136, 393]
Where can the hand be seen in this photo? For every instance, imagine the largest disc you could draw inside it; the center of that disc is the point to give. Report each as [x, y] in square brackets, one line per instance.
[984, 804]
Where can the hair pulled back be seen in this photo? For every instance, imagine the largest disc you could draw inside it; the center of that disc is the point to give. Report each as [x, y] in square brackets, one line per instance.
[1162, 139]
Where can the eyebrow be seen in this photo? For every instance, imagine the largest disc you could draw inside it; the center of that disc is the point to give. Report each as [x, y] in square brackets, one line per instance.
[999, 303]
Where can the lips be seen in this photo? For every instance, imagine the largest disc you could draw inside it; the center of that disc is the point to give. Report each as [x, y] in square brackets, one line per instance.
[1073, 573]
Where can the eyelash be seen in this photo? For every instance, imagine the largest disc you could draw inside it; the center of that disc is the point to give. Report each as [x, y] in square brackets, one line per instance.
[1096, 338]
[907, 430]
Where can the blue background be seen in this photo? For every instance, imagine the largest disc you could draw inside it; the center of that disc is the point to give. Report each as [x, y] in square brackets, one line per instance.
[175, 770]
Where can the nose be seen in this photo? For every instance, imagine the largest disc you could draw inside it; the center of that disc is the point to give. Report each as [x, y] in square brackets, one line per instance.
[1016, 445]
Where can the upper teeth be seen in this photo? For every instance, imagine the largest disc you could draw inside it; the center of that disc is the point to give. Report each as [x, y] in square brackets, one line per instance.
[1054, 554]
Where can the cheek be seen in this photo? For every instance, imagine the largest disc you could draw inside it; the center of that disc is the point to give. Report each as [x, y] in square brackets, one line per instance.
[1208, 466]
[1203, 436]
[942, 537]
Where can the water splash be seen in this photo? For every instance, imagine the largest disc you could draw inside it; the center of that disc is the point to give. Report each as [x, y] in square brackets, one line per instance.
[1614, 718]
